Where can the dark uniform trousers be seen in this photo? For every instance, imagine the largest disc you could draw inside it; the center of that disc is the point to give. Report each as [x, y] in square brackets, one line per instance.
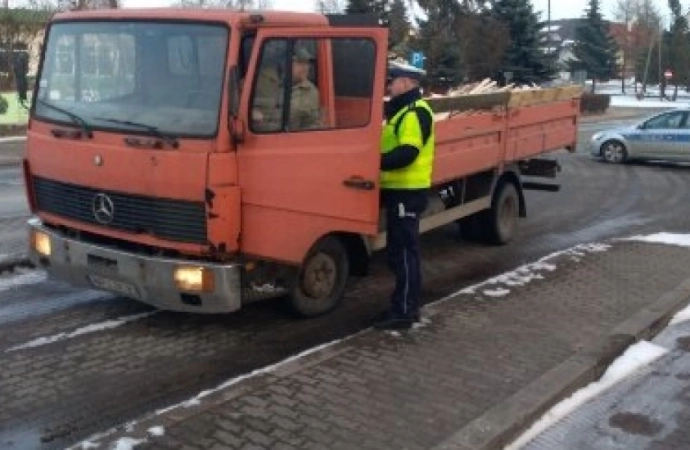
[403, 210]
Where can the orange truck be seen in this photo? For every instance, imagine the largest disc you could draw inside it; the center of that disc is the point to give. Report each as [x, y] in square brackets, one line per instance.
[164, 161]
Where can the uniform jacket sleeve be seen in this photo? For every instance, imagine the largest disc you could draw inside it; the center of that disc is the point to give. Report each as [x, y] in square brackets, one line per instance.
[413, 132]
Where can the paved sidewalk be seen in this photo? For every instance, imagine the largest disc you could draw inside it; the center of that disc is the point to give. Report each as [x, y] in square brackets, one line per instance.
[491, 360]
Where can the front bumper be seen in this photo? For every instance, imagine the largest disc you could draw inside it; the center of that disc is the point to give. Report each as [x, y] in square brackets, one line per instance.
[147, 279]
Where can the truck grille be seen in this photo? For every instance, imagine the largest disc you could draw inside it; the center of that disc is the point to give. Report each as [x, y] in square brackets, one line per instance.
[175, 220]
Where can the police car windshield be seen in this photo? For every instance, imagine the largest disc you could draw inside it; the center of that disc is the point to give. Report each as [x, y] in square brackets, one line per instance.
[167, 76]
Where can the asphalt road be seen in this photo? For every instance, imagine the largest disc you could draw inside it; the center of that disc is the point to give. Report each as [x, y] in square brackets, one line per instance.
[81, 374]
[12, 199]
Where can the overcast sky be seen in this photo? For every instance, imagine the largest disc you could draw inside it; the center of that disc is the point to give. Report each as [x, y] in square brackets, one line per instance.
[560, 9]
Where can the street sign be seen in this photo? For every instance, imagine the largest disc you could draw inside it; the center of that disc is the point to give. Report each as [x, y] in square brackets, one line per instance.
[668, 74]
[417, 60]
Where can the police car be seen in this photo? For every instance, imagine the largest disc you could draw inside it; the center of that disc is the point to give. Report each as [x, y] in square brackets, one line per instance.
[665, 136]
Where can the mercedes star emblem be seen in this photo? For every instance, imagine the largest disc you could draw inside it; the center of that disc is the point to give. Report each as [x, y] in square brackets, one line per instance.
[103, 209]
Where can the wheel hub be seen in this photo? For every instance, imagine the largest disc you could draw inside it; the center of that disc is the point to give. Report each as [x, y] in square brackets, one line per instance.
[319, 276]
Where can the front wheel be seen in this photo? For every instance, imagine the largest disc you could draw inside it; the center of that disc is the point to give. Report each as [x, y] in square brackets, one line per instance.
[320, 282]
[614, 152]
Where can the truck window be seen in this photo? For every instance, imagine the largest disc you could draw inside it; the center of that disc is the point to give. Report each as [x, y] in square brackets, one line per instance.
[308, 105]
[163, 75]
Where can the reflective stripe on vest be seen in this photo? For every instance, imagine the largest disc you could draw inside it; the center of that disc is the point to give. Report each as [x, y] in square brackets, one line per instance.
[418, 174]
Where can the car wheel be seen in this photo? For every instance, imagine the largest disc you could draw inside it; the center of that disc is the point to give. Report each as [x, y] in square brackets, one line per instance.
[321, 280]
[614, 152]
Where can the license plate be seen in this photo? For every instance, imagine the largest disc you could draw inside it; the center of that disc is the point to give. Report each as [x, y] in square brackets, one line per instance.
[108, 284]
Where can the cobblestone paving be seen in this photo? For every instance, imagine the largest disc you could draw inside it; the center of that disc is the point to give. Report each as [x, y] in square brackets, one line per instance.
[379, 391]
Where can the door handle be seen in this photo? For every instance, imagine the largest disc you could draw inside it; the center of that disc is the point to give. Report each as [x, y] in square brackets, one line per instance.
[359, 183]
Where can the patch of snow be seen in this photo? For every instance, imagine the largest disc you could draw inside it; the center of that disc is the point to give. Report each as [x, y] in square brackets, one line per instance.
[127, 443]
[89, 445]
[632, 102]
[527, 273]
[24, 278]
[635, 357]
[682, 240]
[93, 328]
[496, 292]
[682, 316]
[156, 431]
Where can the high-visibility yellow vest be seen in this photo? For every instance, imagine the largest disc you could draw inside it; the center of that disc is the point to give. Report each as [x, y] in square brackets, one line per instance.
[404, 129]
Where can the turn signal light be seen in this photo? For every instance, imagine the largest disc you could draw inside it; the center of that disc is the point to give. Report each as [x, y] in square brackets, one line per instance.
[41, 243]
[194, 278]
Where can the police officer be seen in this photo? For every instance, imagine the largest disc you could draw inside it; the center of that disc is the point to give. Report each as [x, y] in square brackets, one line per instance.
[407, 146]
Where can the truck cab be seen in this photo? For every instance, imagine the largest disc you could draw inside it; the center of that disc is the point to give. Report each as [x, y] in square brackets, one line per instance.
[166, 160]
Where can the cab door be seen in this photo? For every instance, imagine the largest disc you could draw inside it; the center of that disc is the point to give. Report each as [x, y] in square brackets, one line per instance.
[309, 163]
[660, 136]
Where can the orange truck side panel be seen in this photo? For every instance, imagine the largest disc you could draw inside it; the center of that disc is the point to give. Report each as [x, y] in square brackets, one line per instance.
[467, 145]
[533, 130]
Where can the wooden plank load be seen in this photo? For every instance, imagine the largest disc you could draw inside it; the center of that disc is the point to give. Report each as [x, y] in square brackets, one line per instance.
[487, 96]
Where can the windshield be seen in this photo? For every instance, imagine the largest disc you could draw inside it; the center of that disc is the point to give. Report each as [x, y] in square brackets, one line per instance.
[163, 75]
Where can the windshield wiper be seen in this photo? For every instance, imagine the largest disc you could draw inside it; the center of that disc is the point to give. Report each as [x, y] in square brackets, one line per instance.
[75, 118]
[172, 140]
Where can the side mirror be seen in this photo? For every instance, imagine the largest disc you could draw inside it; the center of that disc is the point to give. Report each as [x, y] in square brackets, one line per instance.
[20, 68]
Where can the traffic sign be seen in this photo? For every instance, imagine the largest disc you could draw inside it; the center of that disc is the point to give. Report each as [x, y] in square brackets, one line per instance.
[417, 60]
[668, 74]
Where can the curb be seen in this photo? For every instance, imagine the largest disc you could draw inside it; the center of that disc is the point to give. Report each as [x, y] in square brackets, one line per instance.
[507, 420]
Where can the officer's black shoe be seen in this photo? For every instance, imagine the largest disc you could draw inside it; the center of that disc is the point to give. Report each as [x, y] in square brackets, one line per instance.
[394, 324]
[390, 321]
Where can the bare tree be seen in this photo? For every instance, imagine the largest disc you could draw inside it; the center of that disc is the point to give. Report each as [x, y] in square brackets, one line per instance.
[625, 12]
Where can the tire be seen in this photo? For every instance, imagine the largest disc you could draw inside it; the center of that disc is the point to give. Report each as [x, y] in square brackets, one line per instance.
[501, 221]
[320, 282]
[614, 152]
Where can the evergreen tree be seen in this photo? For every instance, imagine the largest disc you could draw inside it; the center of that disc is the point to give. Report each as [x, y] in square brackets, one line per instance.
[398, 28]
[594, 48]
[526, 55]
[439, 43]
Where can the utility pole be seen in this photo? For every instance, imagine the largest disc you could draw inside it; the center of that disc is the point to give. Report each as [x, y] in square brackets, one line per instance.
[548, 27]
[662, 80]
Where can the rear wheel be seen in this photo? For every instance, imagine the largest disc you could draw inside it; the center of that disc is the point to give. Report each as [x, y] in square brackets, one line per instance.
[614, 152]
[320, 282]
[497, 225]
[502, 219]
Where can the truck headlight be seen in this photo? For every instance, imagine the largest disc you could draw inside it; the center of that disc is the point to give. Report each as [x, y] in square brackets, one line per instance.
[194, 278]
[40, 242]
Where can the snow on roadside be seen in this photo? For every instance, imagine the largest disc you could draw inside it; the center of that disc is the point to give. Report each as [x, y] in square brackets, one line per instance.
[682, 240]
[632, 102]
[499, 286]
[22, 277]
[92, 328]
[635, 357]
